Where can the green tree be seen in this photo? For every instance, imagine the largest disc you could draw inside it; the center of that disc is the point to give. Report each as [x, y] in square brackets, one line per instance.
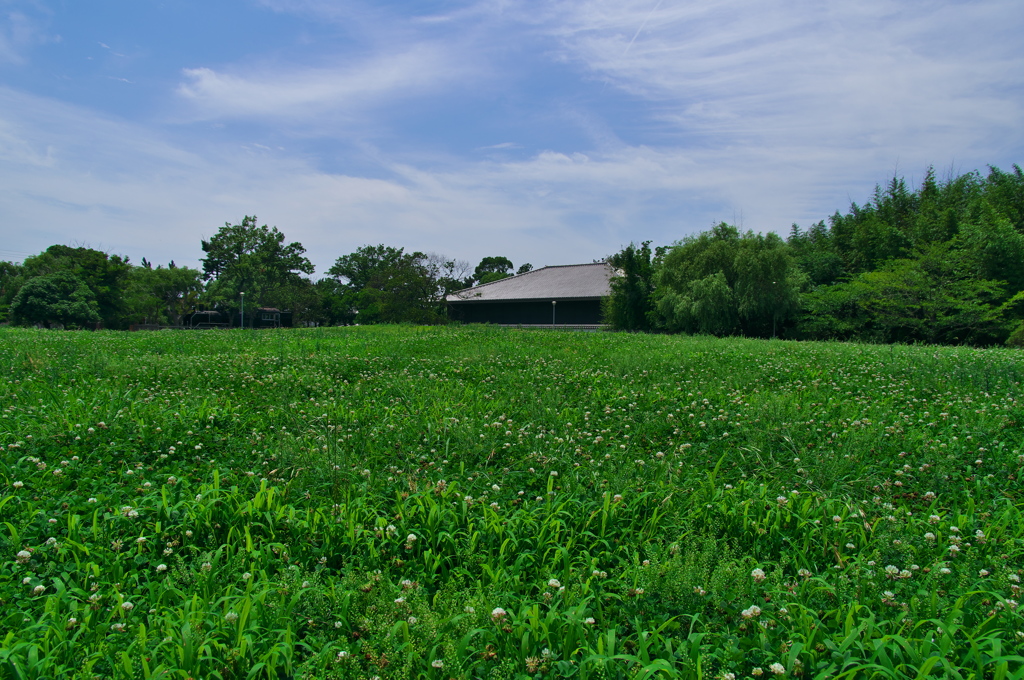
[381, 284]
[491, 269]
[254, 260]
[995, 248]
[934, 298]
[57, 299]
[1005, 192]
[10, 281]
[630, 304]
[723, 282]
[106, 276]
[815, 253]
[163, 294]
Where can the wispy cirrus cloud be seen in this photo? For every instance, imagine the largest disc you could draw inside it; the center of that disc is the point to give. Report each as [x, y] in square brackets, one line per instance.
[22, 26]
[913, 76]
[352, 85]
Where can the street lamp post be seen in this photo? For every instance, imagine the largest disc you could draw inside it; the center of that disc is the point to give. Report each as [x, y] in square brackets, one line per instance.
[243, 309]
[553, 303]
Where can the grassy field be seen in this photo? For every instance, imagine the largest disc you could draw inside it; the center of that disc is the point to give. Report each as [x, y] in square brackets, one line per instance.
[486, 503]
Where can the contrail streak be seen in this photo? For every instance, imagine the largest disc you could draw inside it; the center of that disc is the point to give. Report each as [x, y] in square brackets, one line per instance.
[646, 19]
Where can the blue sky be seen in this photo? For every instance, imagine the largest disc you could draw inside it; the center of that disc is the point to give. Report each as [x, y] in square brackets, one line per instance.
[551, 132]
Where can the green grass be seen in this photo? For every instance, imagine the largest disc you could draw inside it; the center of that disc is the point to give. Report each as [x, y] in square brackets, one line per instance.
[485, 503]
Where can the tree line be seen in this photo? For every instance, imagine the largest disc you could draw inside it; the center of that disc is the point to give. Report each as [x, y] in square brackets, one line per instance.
[941, 263]
[78, 287]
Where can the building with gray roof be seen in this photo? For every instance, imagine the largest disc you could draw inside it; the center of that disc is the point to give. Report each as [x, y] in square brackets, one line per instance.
[565, 295]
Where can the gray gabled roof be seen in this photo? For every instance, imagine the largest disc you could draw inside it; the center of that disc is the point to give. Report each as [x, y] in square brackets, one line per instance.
[570, 281]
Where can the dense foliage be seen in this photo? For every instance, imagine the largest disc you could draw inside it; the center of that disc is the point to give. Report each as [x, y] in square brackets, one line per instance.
[484, 503]
[66, 287]
[940, 264]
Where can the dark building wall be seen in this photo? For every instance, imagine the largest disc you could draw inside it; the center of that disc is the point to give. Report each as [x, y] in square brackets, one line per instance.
[527, 312]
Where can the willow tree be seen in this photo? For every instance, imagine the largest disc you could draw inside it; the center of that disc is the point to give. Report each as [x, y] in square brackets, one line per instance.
[722, 282]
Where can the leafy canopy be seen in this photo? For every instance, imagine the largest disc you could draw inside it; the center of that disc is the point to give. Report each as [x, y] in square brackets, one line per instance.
[254, 260]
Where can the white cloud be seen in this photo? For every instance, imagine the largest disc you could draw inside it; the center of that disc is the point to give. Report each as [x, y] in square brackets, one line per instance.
[300, 92]
[19, 31]
[915, 76]
[69, 175]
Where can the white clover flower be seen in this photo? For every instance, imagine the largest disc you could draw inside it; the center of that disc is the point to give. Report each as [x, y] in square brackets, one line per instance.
[495, 487]
[246, 576]
[498, 613]
[18, 485]
[983, 573]
[945, 570]
[412, 620]
[777, 668]
[161, 567]
[804, 573]
[554, 583]
[127, 606]
[758, 575]
[410, 538]
[117, 627]
[231, 617]
[23, 556]
[751, 612]
[38, 590]
[589, 621]
[437, 663]
[343, 655]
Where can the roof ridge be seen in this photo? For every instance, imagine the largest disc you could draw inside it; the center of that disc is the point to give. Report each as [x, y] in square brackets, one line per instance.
[517, 275]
